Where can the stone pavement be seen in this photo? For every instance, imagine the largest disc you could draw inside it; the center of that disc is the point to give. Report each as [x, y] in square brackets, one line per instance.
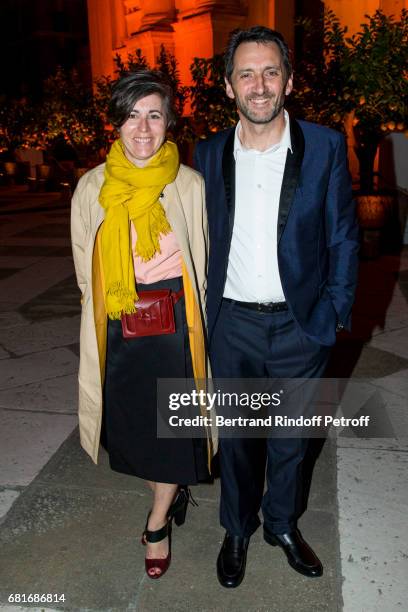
[71, 528]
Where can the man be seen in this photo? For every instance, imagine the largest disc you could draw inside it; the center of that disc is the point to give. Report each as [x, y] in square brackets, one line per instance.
[281, 280]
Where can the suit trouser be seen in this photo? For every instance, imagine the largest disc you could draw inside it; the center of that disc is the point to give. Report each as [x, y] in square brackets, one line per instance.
[251, 344]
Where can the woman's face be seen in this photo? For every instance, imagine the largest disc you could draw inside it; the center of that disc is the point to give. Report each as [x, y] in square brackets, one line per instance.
[143, 133]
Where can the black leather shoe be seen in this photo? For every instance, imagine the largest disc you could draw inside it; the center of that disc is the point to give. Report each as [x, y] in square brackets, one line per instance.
[231, 561]
[300, 556]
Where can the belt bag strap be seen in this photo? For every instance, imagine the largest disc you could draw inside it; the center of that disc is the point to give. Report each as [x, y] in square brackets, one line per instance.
[154, 314]
[177, 295]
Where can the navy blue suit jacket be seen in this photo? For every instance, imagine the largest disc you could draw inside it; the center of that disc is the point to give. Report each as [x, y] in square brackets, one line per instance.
[317, 228]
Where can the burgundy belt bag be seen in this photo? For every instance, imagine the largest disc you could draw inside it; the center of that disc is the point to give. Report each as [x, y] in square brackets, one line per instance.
[154, 314]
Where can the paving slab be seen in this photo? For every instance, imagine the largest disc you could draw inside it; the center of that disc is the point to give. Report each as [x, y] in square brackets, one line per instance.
[373, 498]
[23, 609]
[4, 354]
[48, 228]
[27, 441]
[37, 367]
[373, 361]
[394, 341]
[42, 335]
[28, 241]
[30, 249]
[20, 224]
[82, 544]
[270, 585]
[391, 444]
[6, 261]
[10, 319]
[60, 299]
[75, 530]
[7, 273]
[396, 383]
[34, 280]
[7, 499]
[58, 395]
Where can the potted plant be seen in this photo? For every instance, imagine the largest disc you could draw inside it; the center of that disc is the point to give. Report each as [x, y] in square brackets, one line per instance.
[376, 93]
[376, 86]
[319, 85]
[363, 77]
[17, 116]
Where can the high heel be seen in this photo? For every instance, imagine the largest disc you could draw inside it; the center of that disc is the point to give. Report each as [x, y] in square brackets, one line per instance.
[178, 508]
[153, 537]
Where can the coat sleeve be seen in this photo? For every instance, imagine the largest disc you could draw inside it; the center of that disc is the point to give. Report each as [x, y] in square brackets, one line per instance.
[341, 236]
[79, 231]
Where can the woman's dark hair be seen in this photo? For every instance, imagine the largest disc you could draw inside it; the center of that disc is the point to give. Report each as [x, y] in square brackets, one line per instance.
[258, 34]
[135, 86]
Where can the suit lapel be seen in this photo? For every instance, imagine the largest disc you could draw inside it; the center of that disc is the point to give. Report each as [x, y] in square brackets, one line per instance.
[228, 171]
[291, 174]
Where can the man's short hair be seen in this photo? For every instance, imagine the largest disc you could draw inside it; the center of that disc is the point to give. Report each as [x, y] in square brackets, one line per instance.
[258, 34]
[134, 86]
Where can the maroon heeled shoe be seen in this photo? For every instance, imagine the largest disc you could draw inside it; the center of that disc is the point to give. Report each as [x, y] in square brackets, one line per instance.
[153, 537]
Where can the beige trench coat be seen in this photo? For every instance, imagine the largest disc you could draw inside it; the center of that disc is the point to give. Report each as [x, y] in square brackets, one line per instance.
[184, 204]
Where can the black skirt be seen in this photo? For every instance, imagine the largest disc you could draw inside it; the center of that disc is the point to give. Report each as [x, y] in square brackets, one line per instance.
[130, 398]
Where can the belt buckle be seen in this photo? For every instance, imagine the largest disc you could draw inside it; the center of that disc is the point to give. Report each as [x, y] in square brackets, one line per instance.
[265, 306]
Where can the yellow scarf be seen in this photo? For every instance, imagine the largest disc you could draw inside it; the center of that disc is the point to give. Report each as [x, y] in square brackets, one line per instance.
[132, 193]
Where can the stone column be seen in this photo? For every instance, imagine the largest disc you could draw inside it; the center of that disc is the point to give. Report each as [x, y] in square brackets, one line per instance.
[100, 37]
[157, 13]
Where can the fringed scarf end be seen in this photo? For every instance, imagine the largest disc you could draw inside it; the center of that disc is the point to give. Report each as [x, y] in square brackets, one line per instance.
[120, 300]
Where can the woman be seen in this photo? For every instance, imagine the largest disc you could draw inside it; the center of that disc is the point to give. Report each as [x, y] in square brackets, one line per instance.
[138, 225]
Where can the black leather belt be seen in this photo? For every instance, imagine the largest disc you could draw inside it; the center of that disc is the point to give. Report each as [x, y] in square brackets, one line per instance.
[258, 306]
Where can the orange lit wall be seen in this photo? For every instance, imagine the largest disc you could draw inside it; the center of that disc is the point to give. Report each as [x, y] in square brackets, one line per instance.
[351, 12]
[187, 28]
[190, 28]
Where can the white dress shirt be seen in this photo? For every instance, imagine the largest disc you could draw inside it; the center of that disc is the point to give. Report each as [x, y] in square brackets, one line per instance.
[253, 273]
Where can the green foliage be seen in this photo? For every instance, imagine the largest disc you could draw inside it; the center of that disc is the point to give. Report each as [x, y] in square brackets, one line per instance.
[168, 65]
[135, 61]
[212, 109]
[318, 85]
[18, 120]
[375, 71]
[365, 74]
[68, 111]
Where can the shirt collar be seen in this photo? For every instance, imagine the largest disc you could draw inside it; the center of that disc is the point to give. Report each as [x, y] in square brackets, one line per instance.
[285, 142]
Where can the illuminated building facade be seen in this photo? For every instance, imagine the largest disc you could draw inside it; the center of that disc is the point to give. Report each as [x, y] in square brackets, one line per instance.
[189, 28]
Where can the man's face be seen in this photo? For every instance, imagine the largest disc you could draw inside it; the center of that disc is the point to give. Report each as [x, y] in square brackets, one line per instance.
[258, 82]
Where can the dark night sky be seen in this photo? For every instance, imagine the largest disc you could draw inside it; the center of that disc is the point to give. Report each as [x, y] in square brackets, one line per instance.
[37, 36]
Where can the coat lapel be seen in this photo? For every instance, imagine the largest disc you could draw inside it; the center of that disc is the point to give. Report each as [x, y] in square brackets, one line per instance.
[291, 174]
[228, 171]
[173, 207]
[174, 212]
